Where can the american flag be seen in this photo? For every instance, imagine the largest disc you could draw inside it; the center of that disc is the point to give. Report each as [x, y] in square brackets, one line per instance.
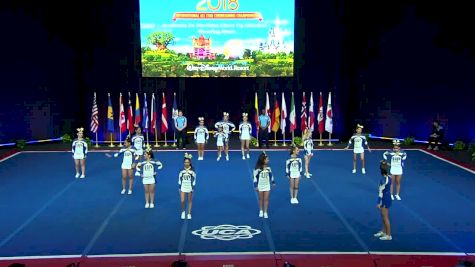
[94, 116]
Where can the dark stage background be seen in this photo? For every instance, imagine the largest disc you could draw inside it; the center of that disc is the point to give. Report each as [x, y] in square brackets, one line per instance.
[393, 66]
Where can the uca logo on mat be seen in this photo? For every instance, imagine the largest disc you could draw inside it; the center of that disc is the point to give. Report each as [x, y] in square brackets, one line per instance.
[226, 232]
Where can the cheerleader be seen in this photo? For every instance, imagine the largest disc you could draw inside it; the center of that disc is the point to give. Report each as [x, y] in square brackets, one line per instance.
[263, 179]
[79, 153]
[397, 158]
[221, 137]
[293, 168]
[245, 129]
[201, 137]
[228, 128]
[308, 146]
[128, 159]
[358, 148]
[186, 184]
[384, 202]
[148, 176]
[139, 143]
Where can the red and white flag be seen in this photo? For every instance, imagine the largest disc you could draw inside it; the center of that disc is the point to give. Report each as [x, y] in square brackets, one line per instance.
[320, 119]
[122, 123]
[130, 119]
[303, 114]
[164, 114]
[329, 118]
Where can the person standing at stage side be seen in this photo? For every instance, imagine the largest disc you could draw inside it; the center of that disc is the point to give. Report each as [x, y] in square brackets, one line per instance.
[264, 123]
[245, 129]
[79, 153]
[397, 162]
[436, 137]
[221, 137]
[358, 149]
[180, 127]
[127, 164]
[138, 141]
[308, 147]
[384, 201]
[186, 185]
[201, 137]
[148, 174]
[228, 128]
[293, 169]
[263, 180]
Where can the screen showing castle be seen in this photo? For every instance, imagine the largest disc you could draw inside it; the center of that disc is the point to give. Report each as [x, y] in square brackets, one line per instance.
[217, 38]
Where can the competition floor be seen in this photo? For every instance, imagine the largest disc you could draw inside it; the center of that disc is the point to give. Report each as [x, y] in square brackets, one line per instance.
[47, 213]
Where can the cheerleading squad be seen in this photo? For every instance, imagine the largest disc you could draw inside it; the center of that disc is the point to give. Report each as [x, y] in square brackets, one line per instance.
[136, 155]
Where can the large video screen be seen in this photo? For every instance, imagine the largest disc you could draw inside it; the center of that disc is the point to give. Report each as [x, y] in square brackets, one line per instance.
[217, 38]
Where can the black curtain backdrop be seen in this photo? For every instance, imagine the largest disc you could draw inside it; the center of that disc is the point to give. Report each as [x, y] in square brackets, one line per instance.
[393, 67]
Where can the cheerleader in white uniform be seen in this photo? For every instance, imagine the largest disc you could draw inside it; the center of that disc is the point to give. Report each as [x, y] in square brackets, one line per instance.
[245, 129]
[79, 153]
[128, 159]
[186, 185]
[397, 162]
[357, 139]
[148, 173]
[308, 147]
[293, 168]
[221, 137]
[263, 180]
[228, 128]
[139, 143]
[201, 137]
[384, 202]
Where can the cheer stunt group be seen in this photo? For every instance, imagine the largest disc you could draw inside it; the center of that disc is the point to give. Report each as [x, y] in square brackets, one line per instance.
[139, 157]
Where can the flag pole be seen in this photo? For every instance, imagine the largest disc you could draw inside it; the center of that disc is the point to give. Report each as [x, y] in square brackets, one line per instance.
[120, 138]
[257, 135]
[330, 139]
[174, 139]
[156, 139]
[320, 144]
[166, 144]
[111, 144]
[283, 134]
[275, 138]
[96, 141]
[147, 138]
[292, 136]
